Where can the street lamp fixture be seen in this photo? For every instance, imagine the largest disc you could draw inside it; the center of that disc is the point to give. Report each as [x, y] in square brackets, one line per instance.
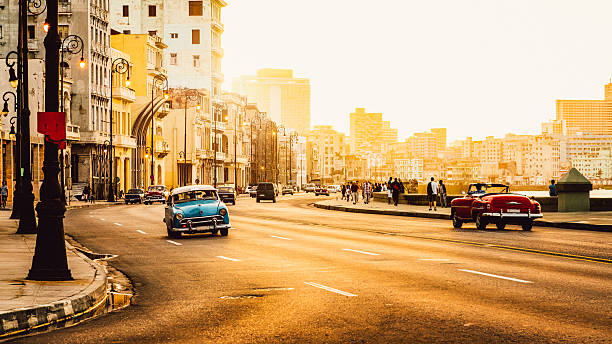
[12, 133]
[128, 82]
[46, 26]
[13, 79]
[82, 63]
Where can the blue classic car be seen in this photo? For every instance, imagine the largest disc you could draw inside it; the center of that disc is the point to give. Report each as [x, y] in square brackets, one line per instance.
[196, 209]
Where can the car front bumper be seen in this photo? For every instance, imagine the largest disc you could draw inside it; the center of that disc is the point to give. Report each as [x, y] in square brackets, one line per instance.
[200, 225]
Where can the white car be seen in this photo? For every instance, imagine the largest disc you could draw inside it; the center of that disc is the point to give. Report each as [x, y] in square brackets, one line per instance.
[333, 188]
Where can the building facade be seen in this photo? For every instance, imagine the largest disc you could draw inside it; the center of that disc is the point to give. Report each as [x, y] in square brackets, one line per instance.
[284, 98]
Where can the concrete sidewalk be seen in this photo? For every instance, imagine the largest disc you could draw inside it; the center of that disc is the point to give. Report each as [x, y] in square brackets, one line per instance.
[599, 220]
[29, 306]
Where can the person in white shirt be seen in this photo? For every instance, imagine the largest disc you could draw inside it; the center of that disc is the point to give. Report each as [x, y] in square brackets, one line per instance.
[432, 193]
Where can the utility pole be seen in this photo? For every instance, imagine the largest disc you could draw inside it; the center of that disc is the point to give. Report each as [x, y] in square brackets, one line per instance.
[50, 262]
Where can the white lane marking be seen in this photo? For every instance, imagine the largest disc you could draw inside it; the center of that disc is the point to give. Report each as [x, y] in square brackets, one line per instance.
[362, 252]
[333, 290]
[101, 219]
[279, 237]
[496, 276]
[228, 258]
[117, 224]
[174, 242]
[435, 260]
[141, 232]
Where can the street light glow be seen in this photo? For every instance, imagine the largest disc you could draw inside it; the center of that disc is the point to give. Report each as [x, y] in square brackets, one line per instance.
[46, 26]
[127, 82]
[82, 63]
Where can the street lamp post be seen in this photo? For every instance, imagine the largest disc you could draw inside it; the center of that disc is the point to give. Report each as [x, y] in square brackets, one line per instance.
[255, 117]
[181, 155]
[50, 262]
[159, 81]
[72, 44]
[14, 82]
[119, 66]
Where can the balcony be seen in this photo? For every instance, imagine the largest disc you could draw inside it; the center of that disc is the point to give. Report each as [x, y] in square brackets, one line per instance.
[65, 7]
[126, 141]
[162, 148]
[218, 51]
[163, 111]
[124, 93]
[203, 154]
[219, 126]
[32, 44]
[220, 156]
[216, 24]
[72, 132]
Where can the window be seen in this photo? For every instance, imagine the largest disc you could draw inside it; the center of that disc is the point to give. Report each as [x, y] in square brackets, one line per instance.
[126, 11]
[174, 35]
[0, 31]
[195, 36]
[196, 61]
[173, 59]
[63, 31]
[195, 8]
[152, 11]
[31, 32]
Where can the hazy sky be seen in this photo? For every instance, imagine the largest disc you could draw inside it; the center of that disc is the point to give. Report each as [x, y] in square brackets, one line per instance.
[477, 67]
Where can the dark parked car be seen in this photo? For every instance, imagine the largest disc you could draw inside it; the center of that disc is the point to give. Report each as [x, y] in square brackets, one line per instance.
[266, 191]
[134, 196]
[227, 194]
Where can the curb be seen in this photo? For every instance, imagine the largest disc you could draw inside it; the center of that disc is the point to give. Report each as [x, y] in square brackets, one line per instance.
[539, 223]
[90, 302]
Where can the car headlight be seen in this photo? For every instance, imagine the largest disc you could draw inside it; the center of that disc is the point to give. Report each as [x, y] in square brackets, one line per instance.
[222, 212]
[179, 216]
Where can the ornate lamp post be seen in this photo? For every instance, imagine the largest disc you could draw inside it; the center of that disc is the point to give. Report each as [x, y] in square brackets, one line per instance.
[119, 66]
[181, 155]
[50, 262]
[159, 81]
[73, 45]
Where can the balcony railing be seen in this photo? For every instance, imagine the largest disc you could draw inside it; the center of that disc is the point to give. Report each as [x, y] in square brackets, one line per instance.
[33, 44]
[124, 93]
[73, 132]
[163, 111]
[220, 156]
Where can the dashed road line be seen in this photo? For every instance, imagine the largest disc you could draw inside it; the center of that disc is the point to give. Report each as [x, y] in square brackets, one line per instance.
[141, 232]
[496, 276]
[279, 237]
[333, 290]
[228, 258]
[174, 243]
[101, 219]
[117, 224]
[435, 260]
[362, 252]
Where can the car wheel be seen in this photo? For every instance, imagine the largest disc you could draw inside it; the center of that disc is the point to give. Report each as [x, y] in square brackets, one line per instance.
[172, 234]
[457, 223]
[500, 226]
[527, 225]
[224, 232]
[274, 200]
[257, 199]
[126, 202]
[481, 223]
[234, 203]
[214, 232]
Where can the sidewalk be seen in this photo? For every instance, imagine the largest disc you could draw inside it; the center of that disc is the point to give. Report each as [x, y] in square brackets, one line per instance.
[598, 220]
[28, 306]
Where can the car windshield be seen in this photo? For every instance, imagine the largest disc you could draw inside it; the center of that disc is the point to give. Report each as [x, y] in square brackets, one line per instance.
[197, 195]
[156, 189]
[226, 189]
[476, 189]
[135, 191]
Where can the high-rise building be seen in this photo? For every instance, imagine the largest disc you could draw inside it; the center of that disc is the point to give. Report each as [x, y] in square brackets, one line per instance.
[192, 30]
[284, 98]
[369, 133]
[585, 116]
[328, 148]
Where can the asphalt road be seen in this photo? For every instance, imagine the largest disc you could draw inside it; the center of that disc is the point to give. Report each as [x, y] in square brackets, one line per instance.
[292, 273]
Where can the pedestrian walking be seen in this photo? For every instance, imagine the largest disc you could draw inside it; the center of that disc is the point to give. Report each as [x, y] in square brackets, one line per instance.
[432, 193]
[343, 190]
[442, 192]
[355, 192]
[395, 188]
[4, 194]
[367, 192]
[401, 186]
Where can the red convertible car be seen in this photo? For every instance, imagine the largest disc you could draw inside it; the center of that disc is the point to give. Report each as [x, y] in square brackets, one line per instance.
[492, 203]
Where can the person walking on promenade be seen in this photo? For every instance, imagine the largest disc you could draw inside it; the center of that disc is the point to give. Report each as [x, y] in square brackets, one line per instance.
[348, 192]
[442, 193]
[395, 189]
[4, 194]
[86, 193]
[355, 192]
[343, 191]
[432, 193]
[367, 192]
[401, 186]
[552, 189]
